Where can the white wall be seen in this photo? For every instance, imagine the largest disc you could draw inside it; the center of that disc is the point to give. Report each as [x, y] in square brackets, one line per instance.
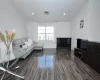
[62, 29]
[10, 19]
[91, 15]
[78, 32]
[94, 20]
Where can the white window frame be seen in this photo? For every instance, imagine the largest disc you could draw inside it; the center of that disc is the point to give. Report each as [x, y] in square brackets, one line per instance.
[46, 33]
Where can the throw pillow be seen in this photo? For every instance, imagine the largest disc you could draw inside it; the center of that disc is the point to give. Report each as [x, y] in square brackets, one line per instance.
[30, 41]
[24, 46]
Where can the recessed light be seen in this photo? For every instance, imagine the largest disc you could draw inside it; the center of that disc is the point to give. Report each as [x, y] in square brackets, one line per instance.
[64, 14]
[32, 13]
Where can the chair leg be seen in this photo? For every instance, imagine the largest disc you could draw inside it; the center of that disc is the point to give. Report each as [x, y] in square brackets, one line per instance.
[2, 76]
[14, 63]
[5, 70]
[22, 77]
[15, 68]
[1, 73]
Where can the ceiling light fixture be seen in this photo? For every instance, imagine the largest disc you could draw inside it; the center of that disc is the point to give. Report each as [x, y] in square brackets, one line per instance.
[64, 14]
[32, 13]
[46, 13]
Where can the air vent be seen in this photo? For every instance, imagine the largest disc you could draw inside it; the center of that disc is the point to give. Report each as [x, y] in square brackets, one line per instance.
[46, 13]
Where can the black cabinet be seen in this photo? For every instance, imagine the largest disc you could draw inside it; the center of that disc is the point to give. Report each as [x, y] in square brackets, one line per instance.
[89, 53]
[81, 54]
[94, 55]
[63, 43]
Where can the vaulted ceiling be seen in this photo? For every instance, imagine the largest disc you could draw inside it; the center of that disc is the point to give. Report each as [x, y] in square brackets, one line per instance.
[56, 8]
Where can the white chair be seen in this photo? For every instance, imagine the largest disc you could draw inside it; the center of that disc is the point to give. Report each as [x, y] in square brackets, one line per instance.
[6, 58]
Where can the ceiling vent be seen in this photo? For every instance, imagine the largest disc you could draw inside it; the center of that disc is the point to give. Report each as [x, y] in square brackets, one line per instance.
[46, 13]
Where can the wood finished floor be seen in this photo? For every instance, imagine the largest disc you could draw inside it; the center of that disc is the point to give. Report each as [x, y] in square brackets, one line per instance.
[53, 65]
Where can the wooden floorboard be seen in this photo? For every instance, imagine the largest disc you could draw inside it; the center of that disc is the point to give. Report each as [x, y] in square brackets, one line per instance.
[53, 65]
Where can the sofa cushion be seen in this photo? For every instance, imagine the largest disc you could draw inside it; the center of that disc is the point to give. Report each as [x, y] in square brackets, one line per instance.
[19, 52]
[16, 46]
[24, 40]
[23, 52]
[17, 41]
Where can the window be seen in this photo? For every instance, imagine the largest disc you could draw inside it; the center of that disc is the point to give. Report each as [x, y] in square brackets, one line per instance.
[45, 33]
[41, 33]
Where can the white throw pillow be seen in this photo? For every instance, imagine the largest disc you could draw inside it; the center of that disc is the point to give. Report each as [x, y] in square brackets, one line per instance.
[30, 42]
[26, 43]
[24, 46]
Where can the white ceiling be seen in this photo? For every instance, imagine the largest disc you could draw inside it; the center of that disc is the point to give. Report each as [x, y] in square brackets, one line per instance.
[55, 7]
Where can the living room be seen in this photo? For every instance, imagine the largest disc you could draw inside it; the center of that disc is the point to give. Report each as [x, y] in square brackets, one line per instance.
[59, 31]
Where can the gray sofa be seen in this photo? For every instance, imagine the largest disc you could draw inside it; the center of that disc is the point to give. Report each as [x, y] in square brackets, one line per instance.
[21, 52]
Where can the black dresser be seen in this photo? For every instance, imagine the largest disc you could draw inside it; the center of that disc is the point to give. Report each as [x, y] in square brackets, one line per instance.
[63, 43]
[89, 53]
